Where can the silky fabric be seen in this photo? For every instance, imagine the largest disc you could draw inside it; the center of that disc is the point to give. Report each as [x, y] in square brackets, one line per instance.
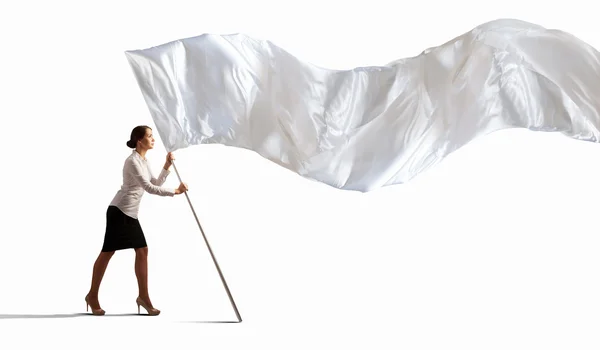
[369, 127]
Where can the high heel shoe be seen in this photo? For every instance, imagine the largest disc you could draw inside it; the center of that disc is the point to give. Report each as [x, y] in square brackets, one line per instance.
[97, 312]
[151, 311]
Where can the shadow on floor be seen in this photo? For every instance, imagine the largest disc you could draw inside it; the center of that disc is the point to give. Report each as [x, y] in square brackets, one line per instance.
[50, 316]
[16, 316]
[208, 322]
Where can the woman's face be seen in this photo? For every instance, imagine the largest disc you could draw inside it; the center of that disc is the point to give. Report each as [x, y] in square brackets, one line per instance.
[148, 141]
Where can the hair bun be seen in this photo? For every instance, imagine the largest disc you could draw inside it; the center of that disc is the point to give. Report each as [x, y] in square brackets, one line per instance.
[130, 144]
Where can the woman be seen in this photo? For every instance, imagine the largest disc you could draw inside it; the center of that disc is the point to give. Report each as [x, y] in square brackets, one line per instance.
[123, 230]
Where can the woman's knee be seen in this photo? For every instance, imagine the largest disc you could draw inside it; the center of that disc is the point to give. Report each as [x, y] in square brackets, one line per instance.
[107, 255]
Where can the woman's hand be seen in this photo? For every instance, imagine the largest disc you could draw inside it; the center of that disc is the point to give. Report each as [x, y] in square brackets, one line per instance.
[169, 161]
[182, 188]
[170, 158]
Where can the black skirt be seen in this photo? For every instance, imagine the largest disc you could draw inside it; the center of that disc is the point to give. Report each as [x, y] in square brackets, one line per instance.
[122, 231]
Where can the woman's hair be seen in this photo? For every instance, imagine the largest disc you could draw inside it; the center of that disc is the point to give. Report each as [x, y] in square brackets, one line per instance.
[137, 133]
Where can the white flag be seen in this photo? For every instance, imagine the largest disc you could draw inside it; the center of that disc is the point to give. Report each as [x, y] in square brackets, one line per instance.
[369, 127]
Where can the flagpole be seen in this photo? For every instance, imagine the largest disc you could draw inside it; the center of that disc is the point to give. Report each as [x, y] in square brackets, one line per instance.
[210, 250]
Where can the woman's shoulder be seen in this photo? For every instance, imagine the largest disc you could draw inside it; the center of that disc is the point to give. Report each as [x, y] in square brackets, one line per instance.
[134, 159]
[130, 159]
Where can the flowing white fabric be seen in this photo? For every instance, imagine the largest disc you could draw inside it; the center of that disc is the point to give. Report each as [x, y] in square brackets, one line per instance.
[369, 127]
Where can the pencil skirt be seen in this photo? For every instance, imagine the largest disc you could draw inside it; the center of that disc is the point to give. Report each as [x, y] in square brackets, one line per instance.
[122, 231]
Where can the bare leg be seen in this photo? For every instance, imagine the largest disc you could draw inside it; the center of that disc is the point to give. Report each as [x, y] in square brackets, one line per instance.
[141, 272]
[98, 273]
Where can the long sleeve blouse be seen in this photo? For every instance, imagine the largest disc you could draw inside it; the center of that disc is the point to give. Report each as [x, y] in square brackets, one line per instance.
[137, 179]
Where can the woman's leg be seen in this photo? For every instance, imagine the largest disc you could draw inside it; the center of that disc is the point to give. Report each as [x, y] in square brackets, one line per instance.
[98, 272]
[141, 272]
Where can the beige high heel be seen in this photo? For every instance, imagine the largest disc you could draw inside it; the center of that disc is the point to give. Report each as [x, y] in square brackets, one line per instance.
[151, 311]
[97, 312]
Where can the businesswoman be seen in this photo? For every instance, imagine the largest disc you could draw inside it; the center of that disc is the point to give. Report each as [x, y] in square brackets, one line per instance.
[123, 230]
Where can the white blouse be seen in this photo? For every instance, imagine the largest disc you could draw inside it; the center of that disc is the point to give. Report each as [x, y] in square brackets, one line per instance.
[137, 178]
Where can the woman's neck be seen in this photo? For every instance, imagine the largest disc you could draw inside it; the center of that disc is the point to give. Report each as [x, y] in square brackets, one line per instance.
[142, 152]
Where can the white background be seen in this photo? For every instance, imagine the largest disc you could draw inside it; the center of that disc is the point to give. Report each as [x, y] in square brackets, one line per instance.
[495, 248]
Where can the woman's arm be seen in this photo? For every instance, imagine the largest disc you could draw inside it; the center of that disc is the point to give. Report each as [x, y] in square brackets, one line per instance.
[164, 172]
[136, 171]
